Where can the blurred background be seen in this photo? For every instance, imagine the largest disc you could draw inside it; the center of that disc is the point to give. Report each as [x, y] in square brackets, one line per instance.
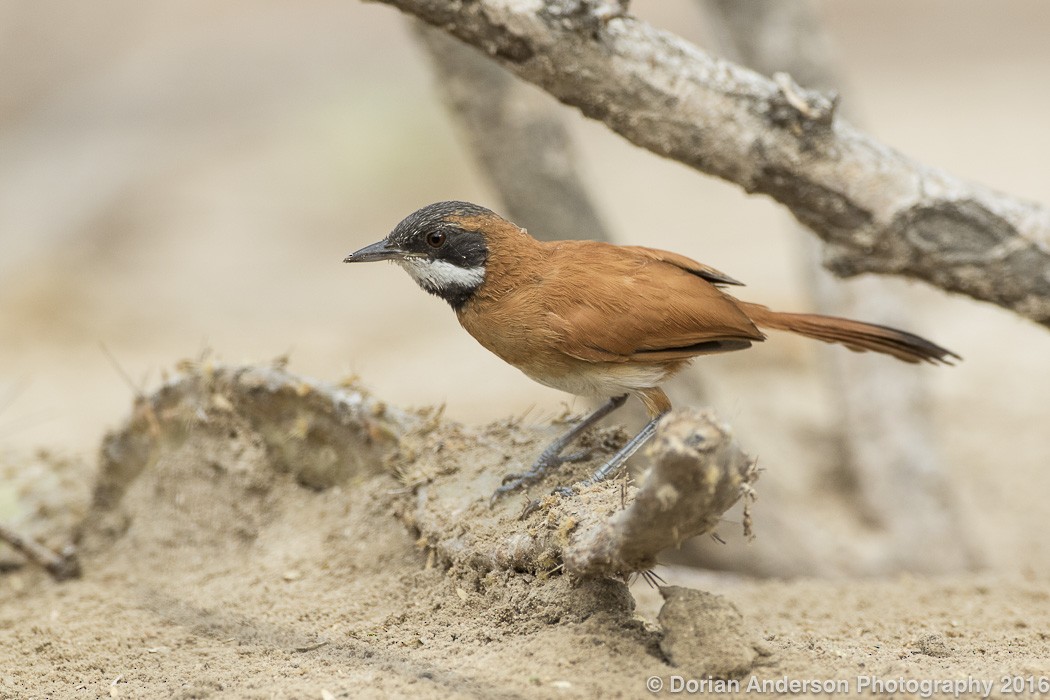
[181, 176]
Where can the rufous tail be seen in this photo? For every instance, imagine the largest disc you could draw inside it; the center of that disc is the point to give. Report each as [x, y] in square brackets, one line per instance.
[855, 335]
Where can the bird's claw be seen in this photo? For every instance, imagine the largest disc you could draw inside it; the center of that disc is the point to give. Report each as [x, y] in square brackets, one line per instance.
[519, 478]
[514, 481]
[546, 462]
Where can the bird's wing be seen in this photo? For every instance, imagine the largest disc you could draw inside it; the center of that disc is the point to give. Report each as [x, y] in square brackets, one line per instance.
[706, 272]
[618, 304]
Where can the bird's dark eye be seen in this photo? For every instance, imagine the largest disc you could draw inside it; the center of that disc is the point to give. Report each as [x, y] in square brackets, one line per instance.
[435, 239]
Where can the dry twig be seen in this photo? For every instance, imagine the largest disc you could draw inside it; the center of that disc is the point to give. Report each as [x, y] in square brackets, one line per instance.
[61, 565]
[326, 435]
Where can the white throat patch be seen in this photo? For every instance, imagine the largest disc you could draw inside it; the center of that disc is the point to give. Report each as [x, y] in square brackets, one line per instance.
[438, 275]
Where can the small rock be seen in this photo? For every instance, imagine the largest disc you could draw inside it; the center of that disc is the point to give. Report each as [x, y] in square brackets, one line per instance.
[934, 645]
[705, 634]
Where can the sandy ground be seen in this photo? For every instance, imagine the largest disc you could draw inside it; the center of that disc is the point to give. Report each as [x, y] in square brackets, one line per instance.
[183, 175]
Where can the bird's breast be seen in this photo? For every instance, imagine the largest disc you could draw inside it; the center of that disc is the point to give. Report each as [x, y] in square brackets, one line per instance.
[513, 326]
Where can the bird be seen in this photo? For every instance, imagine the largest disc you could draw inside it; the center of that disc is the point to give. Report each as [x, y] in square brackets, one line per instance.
[597, 319]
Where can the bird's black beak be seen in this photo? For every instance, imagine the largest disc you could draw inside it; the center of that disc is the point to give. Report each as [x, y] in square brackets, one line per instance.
[381, 250]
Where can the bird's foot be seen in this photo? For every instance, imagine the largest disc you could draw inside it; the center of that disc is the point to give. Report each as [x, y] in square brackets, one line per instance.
[542, 465]
[545, 463]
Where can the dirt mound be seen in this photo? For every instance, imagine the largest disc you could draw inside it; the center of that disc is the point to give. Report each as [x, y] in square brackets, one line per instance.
[254, 534]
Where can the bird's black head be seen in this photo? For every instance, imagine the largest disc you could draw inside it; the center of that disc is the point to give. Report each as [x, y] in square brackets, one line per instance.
[441, 246]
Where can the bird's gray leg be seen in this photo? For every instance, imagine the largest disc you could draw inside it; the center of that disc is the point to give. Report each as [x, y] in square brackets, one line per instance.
[552, 457]
[617, 461]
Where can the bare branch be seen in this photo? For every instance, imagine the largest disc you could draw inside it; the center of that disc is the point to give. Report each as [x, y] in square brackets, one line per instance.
[876, 209]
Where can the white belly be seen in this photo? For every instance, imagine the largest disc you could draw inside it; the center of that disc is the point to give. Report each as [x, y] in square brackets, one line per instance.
[606, 379]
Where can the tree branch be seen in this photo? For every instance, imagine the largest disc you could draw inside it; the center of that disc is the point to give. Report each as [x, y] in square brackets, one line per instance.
[876, 209]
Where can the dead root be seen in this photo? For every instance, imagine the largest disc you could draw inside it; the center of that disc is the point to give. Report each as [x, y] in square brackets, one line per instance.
[698, 473]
